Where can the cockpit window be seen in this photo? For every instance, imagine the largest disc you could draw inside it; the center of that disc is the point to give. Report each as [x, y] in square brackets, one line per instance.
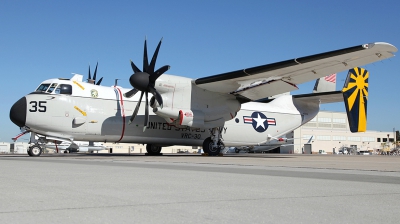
[64, 89]
[52, 87]
[43, 87]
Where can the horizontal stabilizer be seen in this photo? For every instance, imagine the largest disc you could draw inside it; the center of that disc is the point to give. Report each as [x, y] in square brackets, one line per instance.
[325, 97]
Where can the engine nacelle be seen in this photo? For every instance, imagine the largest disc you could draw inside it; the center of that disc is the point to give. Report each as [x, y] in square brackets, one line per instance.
[170, 115]
[191, 118]
[185, 104]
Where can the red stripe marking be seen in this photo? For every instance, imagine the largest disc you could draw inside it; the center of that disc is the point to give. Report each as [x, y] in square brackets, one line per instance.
[181, 117]
[331, 78]
[173, 95]
[271, 121]
[21, 134]
[248, 119]
[122, 113]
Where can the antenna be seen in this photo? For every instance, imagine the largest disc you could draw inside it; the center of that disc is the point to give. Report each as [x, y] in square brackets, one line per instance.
[116, 82]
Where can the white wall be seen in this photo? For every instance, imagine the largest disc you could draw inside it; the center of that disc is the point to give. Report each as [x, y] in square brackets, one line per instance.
[331, 131]
[140, 148]
[4, 147]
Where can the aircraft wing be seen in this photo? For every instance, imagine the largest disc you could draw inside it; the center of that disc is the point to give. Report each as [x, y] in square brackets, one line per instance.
[280, 77]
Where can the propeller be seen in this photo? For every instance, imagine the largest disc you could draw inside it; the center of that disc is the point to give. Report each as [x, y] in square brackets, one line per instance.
[94, 76]
[144, 81]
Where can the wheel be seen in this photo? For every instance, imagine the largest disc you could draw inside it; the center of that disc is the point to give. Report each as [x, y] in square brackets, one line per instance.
[35, 150]
[208, 147]
[237, 150]
[153, 149]
[29, 152]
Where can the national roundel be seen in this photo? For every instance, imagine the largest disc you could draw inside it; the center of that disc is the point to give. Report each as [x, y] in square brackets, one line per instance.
[259, 121]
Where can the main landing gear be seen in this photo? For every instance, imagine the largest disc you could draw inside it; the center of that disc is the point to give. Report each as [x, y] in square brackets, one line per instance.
[153, 150]
[35, 150]
[213, 145]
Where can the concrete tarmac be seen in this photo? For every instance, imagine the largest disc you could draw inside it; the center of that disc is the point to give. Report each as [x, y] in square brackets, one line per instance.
[190, 188]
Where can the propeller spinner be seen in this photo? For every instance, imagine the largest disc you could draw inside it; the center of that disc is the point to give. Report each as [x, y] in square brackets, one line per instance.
[144, 81]
[93, 81]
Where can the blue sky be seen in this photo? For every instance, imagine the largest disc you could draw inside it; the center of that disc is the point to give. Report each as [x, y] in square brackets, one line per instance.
[47, 39]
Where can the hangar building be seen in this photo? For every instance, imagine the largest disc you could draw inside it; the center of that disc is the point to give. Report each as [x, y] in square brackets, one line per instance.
[331, 132]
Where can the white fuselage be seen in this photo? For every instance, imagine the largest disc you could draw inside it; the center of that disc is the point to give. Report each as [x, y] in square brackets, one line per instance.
[101, 114]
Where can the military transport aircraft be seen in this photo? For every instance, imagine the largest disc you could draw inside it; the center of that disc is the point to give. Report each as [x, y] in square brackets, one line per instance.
[230, 109]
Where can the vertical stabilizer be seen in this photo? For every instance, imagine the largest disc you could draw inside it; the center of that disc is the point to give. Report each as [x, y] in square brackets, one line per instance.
[355, 95]
[325, 84]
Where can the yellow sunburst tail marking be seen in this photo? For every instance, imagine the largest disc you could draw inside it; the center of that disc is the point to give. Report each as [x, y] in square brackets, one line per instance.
[355, 95]
[80, 86]
[81, 111]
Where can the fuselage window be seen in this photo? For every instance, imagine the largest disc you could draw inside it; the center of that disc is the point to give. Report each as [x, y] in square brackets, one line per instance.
[64, 89]
[43, 87]
[52, 87]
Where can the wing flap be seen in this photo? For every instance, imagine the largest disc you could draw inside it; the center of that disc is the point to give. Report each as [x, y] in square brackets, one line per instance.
[265, 89]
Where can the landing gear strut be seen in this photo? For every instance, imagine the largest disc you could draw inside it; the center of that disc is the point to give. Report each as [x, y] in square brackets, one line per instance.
[35, 150]
[153, 150]
[213, 145]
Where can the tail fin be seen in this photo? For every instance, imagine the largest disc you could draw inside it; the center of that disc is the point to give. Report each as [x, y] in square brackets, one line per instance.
[325, 84]
[355, 95]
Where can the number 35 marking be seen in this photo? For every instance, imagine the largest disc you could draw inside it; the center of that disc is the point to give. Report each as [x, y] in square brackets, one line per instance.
[38, 106]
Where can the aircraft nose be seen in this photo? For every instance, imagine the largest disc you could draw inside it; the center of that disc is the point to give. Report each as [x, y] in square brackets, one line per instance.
[18, 112]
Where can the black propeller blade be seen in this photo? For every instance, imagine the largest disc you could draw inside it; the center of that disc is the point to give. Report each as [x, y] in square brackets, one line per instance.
[144, 81]
[89, 76]
[95, 72]
[98, 83]
[136, 108]
[90, 80]
[131, 93]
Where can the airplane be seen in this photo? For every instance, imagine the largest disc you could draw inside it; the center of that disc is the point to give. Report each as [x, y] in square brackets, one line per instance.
[229, 109]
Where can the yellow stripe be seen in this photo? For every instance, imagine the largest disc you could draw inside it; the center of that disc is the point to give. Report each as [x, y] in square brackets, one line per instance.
[362, 118]
[82, 112]
[83, 88]
[352, 99]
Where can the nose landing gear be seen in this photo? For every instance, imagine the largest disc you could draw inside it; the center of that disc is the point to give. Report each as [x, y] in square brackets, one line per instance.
[36, 147]
[35, 150]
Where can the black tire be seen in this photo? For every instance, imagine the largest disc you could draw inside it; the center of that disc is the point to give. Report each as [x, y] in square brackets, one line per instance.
[35, 150]
[208, 147]
[153, 149]
[237, 150]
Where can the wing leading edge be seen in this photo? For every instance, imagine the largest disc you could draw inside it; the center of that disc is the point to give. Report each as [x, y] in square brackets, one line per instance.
[271, 79]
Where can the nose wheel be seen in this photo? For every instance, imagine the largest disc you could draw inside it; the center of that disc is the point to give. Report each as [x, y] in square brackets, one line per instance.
[34, 150]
